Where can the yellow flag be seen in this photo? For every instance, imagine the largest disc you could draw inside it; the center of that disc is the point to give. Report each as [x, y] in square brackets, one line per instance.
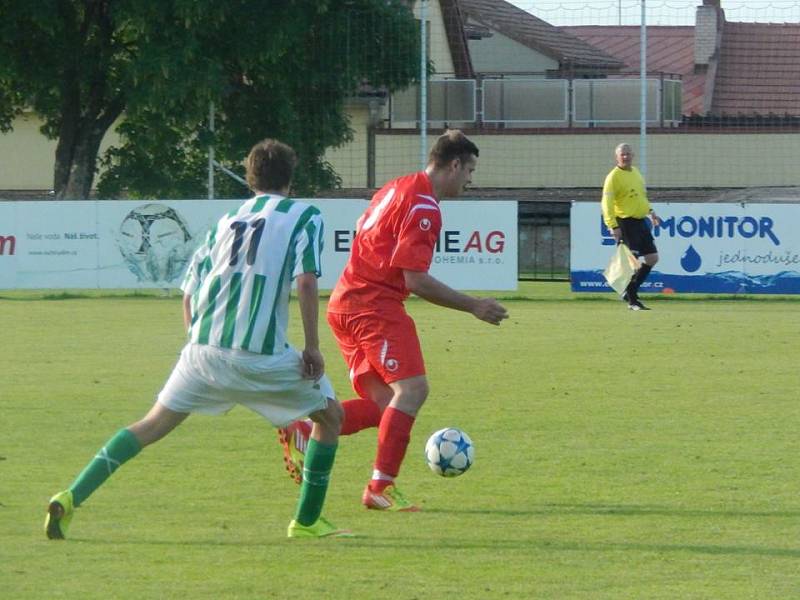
[620, 269]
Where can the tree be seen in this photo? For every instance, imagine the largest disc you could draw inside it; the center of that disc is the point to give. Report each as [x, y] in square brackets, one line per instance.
[271, 68]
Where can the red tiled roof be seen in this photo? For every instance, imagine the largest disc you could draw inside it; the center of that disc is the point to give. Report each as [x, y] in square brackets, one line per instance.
[456, 38]
[521, 26]
[759, 70]
[670, 49]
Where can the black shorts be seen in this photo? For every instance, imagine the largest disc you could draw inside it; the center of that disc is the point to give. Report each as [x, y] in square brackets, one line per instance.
[636, 235]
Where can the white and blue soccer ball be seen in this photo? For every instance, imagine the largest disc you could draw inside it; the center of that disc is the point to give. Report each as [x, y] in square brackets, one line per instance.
[155, 243]
[449, 452]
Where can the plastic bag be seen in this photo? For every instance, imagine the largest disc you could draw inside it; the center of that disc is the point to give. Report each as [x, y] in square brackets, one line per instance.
[620, 269]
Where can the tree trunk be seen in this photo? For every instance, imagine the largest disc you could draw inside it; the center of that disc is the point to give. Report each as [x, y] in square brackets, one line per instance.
[81, 169]
[88, 106]
[67, 131]
[78, 148]
[76, 158]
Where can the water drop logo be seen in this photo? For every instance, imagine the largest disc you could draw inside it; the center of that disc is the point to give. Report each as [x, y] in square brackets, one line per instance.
[691, 260]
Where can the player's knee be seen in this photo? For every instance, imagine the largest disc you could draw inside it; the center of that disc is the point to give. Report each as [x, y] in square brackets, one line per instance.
[373, 388]
[146, 431]
[412, 394]
[155, 425]
[330, 419]
[337, 415]
[382, 397]
[423, 391]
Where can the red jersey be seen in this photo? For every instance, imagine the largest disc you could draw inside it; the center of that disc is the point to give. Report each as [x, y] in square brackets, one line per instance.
[398, 231]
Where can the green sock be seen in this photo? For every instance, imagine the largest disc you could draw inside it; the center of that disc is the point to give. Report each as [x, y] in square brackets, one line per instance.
[120, 448]
[316, 475]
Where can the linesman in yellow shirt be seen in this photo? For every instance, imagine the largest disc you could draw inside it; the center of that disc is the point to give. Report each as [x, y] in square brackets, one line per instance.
[625, 208]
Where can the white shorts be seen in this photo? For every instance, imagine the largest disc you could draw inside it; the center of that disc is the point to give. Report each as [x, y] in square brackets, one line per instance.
[213, 380]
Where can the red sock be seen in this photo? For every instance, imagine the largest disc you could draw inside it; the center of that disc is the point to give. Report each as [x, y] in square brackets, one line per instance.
[394, 433]
[359, 414]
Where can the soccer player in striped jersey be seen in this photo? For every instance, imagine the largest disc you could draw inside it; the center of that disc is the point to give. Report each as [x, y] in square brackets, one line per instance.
[390, 257]
[236, 298]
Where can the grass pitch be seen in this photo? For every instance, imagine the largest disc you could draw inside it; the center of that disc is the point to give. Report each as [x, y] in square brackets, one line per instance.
[618, 455]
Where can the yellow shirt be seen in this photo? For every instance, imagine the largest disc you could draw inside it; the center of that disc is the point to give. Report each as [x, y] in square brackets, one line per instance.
[624, 195]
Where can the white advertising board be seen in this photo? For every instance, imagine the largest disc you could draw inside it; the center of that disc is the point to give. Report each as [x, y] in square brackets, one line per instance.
[141, 244]
[708, 248]
[8, 245]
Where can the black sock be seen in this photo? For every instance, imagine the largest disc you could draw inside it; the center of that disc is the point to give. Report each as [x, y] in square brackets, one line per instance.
[642, 274]
[638, 278]
[636, 281]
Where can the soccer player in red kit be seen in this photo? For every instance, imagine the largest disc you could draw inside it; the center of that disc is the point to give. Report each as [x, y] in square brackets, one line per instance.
[390, 257]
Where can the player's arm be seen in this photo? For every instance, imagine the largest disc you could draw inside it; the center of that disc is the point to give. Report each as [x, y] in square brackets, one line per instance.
[413, 254]
[607, 205]
[431, 289]
[654, 217]
[187, 311]
[192, 279]
[308, 299]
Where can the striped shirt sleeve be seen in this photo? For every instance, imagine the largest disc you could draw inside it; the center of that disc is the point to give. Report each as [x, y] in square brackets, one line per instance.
[308, 248]
[199, 262]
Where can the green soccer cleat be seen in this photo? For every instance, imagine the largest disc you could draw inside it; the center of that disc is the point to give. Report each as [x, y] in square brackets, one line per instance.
[59, 515]
[389, 499]
[322, 528]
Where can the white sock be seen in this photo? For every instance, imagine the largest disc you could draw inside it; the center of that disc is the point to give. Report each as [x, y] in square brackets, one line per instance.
[381, 476]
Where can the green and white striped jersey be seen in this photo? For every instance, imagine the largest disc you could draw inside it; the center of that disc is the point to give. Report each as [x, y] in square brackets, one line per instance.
[240, 278]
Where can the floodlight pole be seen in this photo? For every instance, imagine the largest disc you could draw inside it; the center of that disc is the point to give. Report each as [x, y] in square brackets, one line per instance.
[211, 152]
[423, 83]
[643, 94]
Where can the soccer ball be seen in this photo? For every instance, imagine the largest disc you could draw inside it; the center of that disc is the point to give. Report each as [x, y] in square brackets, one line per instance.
[155, 243]
[449, 452]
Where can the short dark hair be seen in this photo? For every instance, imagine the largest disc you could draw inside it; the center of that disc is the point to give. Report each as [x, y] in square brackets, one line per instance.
[270, 166]
[451, 145]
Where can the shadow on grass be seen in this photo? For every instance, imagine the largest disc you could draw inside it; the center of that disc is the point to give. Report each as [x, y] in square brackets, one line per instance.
[522, 544]
[505, 296]
[624, 510]
[27, 296]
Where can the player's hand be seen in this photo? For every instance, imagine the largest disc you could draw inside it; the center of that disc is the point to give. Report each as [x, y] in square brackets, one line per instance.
[490, 310]
[313, 364]
[655, 219]
[617, 233]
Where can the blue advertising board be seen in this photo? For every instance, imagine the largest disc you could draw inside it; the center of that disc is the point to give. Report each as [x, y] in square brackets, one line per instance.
[714, 248]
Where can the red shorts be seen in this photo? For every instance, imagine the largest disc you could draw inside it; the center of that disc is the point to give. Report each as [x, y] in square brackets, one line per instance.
[385, 344]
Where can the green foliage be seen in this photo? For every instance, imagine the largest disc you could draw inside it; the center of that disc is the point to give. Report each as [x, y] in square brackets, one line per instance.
[272, 69]
[619, 455]
[8, 112]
